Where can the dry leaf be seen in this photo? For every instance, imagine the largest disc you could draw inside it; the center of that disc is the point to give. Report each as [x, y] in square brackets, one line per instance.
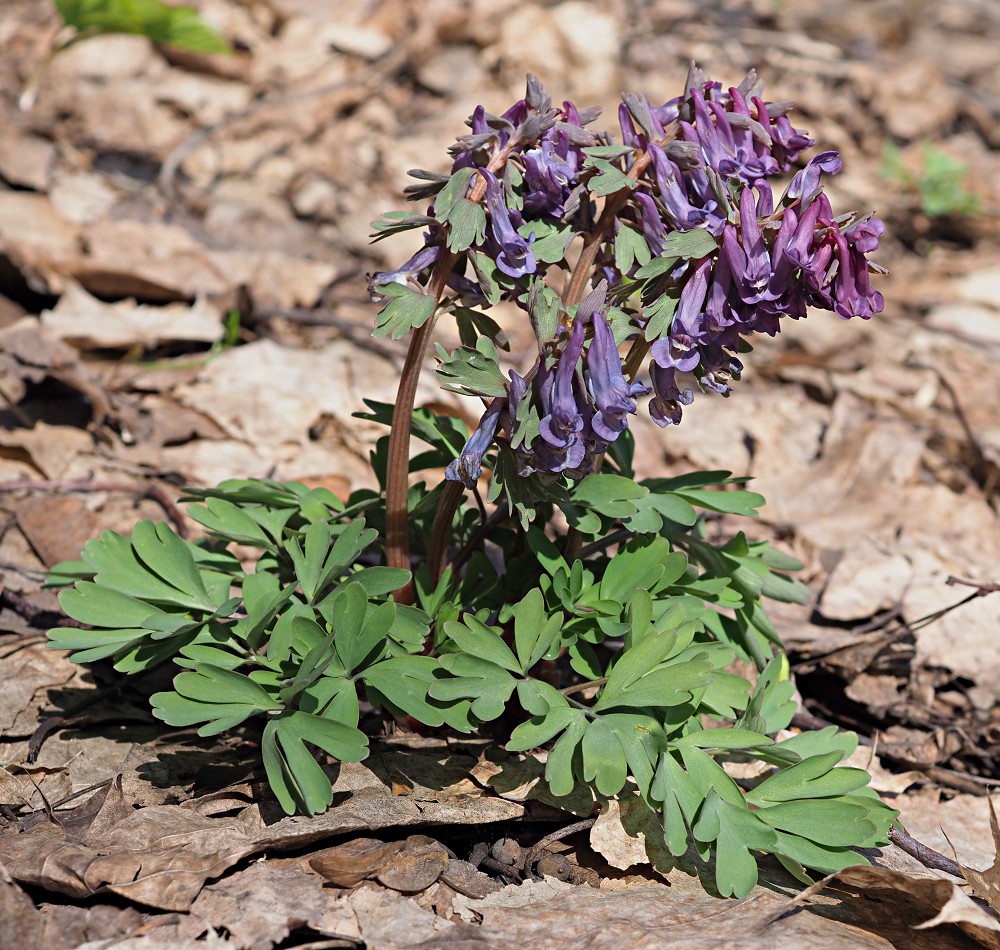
[986, 884]
[351, 863]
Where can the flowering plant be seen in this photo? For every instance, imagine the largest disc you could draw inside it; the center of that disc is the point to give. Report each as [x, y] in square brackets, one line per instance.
[588, 614]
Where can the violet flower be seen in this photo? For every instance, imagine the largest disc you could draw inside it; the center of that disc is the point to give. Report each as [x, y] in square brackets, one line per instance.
[563, 423]
[614, 396]
[420, 261]
[469, 465]
[516, 258]
[679, 350]
[666, 406]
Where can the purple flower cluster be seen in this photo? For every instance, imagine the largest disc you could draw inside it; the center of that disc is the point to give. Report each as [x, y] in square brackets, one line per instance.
[702, 162]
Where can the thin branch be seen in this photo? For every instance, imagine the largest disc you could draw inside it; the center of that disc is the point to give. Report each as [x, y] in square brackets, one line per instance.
[925, 854]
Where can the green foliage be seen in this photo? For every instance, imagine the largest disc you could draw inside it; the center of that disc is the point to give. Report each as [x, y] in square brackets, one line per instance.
[940, 183]
[643, 625]
[164, 23]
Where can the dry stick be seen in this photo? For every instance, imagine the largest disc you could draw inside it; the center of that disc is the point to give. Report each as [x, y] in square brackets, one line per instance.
[150, 491]
[538, 849]
[925, 854]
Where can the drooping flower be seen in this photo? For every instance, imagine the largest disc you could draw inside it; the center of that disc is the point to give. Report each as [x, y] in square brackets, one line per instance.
[614, 396]
[469, 465]
[666, 406]
[420, 261]
[563, 423]
[516, 258]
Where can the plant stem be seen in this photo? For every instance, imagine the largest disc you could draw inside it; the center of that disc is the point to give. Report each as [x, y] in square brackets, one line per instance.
[581, 686]
[397, 545]
[437, 546]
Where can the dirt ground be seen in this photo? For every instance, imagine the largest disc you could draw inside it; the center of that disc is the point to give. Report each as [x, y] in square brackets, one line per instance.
[151, 198]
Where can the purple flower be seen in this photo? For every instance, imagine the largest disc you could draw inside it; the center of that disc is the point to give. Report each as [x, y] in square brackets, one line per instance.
[683, 214]
[805, 184]
[469, 465]
[516, 258]
[563, 423]
[852, 293]
[666, 406]
[752, 265]
[415, 265]
[549, 172]
[864, 234]
[614, 396]
[719, 368]
[653, 228]
[679, 350]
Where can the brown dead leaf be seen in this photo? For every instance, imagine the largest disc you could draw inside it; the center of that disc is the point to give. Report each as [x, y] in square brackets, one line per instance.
[89, 323]
[351, 863]
[416, 867]
[29, 355]
[56, 526]
[628, 833]
[21, 924]
[942, 899]
[260, 905]
[24, 674]
[986, 883]
[159, 856]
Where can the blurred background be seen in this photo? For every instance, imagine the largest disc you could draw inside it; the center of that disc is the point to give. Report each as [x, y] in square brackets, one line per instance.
[184, 243]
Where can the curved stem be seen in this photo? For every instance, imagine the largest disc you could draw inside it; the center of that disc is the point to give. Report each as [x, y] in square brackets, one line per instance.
[437, 546]
[397, 545]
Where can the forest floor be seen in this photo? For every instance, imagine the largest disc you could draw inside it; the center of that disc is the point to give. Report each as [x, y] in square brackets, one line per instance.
[183, 250]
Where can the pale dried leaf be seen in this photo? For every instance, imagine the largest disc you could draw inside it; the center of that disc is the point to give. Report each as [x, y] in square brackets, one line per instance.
[89, 323]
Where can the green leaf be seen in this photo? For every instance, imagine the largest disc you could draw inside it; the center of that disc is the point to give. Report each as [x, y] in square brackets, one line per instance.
[406, 310]
[540, 729]
[638, 678]
[178, 26]
[604, 764]
[724, 739]
[559, 772]
[295, 777]
[610, 495]
[534, 632]
[689, 245]
[99, 606]
[681, 799]
[486, 684]
[91, 645]
[609, 180]
[229, 521]
[644, 564]
[474, 637]
[539, 697]
[119, 565]
[829, 822]
[397, 222]
[739, 832]
[551, 239]
[630, 247]
[455, 189]
[467, 225]
[219, 698]
[356, 640]
[813, 777]
[805, 853]
[473, 372]
[404, 683]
